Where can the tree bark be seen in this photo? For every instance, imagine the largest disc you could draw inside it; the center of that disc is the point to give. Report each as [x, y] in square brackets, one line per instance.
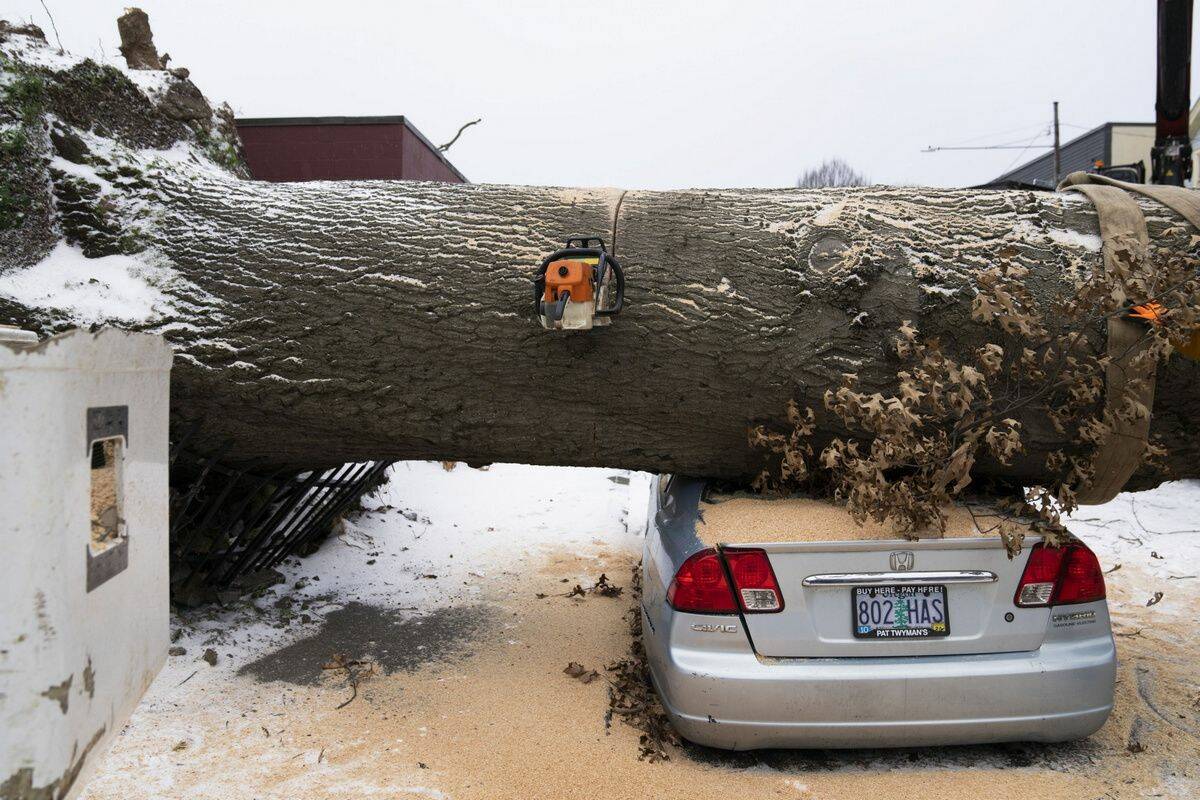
[332, 322]
[317, 323]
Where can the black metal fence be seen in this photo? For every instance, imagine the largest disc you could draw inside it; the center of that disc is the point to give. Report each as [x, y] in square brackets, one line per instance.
[229, 525]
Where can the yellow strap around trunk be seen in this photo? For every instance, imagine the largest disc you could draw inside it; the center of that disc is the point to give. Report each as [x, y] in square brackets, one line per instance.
[1121, 220]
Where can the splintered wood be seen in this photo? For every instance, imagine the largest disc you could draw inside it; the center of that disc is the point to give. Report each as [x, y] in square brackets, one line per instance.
[746, 519]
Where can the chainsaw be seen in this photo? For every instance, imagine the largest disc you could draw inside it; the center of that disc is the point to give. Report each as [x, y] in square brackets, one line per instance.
[578, 287]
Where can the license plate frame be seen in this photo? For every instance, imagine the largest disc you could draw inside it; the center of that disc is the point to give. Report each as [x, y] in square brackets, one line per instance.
[890, 593]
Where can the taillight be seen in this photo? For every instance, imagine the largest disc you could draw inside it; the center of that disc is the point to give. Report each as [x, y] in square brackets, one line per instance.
[700, 586]
[1060, 576]
[755, 581]
[1041, 575]
[1082, 580]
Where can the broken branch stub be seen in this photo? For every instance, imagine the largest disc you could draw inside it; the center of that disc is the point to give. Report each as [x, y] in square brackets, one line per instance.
[137, 40]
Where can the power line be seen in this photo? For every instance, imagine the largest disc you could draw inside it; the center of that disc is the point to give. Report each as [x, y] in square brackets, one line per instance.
[1043, 130]
[991, 147]
[1022, 130]
[1018, 158]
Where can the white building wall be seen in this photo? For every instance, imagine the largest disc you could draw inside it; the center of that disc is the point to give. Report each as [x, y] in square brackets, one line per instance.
[1132, 143]
[74, 662]
[1195, 182]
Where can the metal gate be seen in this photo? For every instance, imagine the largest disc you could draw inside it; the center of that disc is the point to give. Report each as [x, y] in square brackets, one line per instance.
[230, 523]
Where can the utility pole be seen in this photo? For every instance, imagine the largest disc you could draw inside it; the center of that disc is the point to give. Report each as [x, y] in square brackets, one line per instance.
[1057, 157]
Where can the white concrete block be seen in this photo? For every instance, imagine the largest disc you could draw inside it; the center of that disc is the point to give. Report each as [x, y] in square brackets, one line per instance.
[83, 615]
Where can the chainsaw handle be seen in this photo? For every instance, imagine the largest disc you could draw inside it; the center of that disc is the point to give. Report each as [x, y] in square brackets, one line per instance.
[585, 242]
[572, 252]
[619, 274]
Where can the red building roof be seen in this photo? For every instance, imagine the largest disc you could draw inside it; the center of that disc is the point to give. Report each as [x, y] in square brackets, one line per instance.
[341, 148]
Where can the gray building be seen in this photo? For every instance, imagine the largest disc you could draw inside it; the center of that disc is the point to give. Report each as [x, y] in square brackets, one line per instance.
[1112, 144]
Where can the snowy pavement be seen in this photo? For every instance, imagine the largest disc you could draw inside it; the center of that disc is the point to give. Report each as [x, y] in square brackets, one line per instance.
[1154, 535]
[430, 538]
[450, 592]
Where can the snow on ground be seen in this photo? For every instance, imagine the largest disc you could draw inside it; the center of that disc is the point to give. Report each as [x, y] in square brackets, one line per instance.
[1152, 536]
[31, 51]
[430, 537]
[454, 583]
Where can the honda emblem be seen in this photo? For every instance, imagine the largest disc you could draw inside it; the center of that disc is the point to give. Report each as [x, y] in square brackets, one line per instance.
[902, 561]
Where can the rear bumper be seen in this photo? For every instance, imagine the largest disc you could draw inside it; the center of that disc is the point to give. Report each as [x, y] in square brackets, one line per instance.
[735, 700]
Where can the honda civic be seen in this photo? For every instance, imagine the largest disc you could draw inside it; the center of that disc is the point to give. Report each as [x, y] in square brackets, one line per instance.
[783, 623]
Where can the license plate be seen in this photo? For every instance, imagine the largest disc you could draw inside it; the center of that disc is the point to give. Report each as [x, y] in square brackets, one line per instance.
[899, 612]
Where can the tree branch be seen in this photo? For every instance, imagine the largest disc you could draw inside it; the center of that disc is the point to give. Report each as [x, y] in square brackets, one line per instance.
[53, 26]
[446, 146]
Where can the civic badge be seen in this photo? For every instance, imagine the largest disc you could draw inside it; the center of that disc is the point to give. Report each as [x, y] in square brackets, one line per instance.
[902, 561]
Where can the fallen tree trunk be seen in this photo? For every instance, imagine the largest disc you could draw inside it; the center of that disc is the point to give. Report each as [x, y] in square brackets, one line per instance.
[343, 322]
[326, 322]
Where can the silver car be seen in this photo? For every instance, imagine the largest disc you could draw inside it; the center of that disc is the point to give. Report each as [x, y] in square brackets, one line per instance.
[870, 643]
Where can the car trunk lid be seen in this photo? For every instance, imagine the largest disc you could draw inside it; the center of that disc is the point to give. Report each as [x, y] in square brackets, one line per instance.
[968, 584]
[827, 566]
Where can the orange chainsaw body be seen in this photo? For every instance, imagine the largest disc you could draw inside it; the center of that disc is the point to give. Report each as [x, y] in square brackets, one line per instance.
[569, 276]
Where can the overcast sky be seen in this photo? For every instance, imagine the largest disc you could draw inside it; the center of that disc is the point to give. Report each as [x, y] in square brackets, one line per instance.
[650, 94]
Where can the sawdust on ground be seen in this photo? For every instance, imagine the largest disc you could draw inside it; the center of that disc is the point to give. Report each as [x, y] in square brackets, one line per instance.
[1153, 736]
[728, 519]
[501, 720]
